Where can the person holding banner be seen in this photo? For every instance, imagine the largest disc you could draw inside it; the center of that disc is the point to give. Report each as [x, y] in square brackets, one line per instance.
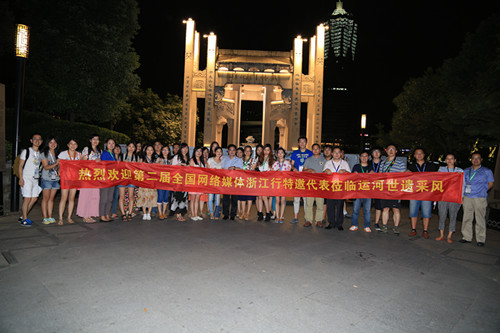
[425, 206]
[265, 163]
[230, 202]
[198, 162]
[88, 198]
[147, 198]
[163, 195]
[362, 167]
[391, 164]
[448, 208]
[281, 164]
[478, 180]
[246, 200]
[377, 203]
[131, 157]
[50, 178]
[68, 195]
[298, 158]
[215, 163]
[180, 199]
[335, 207]
[314, 164]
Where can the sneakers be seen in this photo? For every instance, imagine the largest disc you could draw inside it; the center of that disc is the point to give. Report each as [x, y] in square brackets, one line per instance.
[26, 223]
[294, 221]
[377, 227]
[353, 228]
[46, 221]
[395, 230]
[367, 229]
[146, 217]
[383, 229]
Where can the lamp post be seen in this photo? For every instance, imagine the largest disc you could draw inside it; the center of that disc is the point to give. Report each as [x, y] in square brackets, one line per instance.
[22, 50]
[363, 127]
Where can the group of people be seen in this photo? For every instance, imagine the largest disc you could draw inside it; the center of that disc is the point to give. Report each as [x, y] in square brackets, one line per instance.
[39, 171]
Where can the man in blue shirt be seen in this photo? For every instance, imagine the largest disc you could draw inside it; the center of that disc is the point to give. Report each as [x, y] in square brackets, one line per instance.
[478, 180]
[298, 158]
[231, 162]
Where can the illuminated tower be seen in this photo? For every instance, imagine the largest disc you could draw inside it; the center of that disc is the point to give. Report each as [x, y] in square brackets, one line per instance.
[340, 113]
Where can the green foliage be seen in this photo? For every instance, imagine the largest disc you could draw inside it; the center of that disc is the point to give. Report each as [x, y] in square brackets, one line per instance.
[64, 130]
[82, 63]
[150, 118]
[457, 106]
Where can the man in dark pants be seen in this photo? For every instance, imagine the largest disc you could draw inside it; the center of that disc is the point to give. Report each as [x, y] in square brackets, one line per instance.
[231, 162]
[335, 207]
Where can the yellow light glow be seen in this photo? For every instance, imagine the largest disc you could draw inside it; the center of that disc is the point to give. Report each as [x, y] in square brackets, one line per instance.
[363, 121]
[22, 41]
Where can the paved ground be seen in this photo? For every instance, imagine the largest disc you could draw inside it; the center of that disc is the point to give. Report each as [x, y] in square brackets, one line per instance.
[152, 276]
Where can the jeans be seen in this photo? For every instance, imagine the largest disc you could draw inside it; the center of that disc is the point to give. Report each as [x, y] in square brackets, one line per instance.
[426, 206]
[211, 202]
[116, 196]
[162, 197]
[367, 203]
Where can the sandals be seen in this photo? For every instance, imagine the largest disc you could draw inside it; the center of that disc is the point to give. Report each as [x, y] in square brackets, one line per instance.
[89, 220]
[246, 216]
[60, 222]
[70, 220]
[180, 218]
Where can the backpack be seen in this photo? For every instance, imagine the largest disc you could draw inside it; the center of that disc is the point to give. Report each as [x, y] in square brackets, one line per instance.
[15, 165]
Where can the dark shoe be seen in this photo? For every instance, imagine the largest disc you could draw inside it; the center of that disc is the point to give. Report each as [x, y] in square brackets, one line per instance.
[225, 217]
[481, 244]
[260, 216]
[340, 228]
[268, 217]
[328, 227]
[425, 233]
[232, 218]
[463, 241]
[319, 224]
[377, 227]
[307, 224]
[412, 233]
[347, 216]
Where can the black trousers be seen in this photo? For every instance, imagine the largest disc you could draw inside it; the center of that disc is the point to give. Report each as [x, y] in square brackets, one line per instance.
[335, 212]
[229, 200]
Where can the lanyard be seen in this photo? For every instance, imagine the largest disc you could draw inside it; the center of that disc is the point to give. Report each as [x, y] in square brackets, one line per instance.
[112, 155]
[378, 166]
[336, 168]
[52, 158]
[471, 177]
[281, 165]
[388, 169]
[362, 170]
[74, 156]
[448, 170]
[246, 163]
[418, 167]
[148, 159]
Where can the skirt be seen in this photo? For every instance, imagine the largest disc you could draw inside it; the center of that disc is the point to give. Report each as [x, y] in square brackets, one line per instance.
[179, 202]
[147, 197]
[88, 202]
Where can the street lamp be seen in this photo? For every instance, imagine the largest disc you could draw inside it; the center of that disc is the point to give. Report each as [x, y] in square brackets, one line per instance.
[22, 50]
[363, 127]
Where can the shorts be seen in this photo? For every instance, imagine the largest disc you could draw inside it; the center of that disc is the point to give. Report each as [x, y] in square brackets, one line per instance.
[424, 206]
[391, 203]
[130, 185]
[50, 184]
[31, 189]
[377, 203]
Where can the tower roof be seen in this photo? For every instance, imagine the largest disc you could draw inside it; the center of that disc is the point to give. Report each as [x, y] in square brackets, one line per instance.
[339, 10]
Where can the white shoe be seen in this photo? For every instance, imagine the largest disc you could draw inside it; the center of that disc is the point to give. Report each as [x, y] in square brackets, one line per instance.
[149, 217]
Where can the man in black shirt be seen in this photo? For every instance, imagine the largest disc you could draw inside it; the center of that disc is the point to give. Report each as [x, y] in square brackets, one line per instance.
[421, 165]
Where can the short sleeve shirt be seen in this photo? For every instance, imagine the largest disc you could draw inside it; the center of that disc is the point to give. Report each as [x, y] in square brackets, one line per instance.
[32, 164]
[299, 158]
[477, 182]
[396, 165]
[285, 166]
[336, 166]
[232, 162]
[315, 163]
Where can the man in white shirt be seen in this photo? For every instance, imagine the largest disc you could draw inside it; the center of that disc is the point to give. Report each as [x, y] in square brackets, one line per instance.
[335, 207]
[29, 174]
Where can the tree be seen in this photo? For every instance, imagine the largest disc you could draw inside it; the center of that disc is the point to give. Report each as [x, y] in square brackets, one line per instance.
[82, 62]
[150, 118]
[453, 108]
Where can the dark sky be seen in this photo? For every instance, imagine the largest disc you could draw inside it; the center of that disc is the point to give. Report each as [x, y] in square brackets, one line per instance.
[396, 39]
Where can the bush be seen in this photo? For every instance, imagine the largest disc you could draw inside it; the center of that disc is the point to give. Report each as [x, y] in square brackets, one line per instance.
[64, 130]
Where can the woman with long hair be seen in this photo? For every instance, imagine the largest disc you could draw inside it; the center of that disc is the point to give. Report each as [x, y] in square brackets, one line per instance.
[50, 178]
[68, 194]
[258, 151]
[88, 199]
[265, 163]
[162, 200]
[246, 200]
[281, 164]
[196, 161]
[106, 194]
[213, 147]
[180, 199]
[147, 198]
[126, 192]
[215, 163]
[204, 196]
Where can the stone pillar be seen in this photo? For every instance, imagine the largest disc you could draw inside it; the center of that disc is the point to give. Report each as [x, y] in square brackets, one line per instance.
[210, 114]
[189, 98]
[310, 100]
[318, 84]
[267, 131]
[294, 120]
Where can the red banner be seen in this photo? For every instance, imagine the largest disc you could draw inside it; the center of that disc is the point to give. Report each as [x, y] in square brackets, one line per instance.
[435, 186]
